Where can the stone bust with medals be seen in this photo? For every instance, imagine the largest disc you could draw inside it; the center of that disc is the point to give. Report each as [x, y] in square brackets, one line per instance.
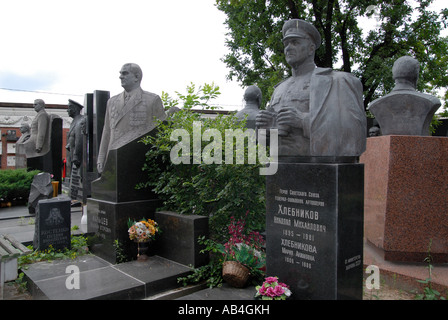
[130, 114]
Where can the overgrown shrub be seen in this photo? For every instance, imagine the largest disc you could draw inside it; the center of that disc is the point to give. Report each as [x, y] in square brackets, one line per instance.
[15, 184]
[218, 191]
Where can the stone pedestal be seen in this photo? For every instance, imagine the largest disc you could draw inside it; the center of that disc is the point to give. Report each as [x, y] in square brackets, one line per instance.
[178, 240]
[314, 229]
[115, 199]
[406, 200]
[108, 221]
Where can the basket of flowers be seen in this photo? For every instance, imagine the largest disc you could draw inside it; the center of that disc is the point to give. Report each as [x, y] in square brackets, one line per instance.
[142, 232]
[240, 264]
[243, 257]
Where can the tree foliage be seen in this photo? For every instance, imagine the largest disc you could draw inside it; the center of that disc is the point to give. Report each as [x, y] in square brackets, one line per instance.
[218, 191]
[401, 28]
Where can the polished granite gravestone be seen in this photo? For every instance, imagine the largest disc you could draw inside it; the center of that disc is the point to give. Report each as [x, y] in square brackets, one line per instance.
[314, 229]
[406, 200]
[95, 108]
[53, 223]
[178, 240]
[115, 199]
[100, 99]
[89, 277]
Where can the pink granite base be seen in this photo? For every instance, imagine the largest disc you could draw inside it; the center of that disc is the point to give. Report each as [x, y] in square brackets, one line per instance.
[406, 196]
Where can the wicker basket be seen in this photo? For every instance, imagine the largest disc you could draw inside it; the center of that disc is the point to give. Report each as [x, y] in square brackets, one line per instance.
[235, 274]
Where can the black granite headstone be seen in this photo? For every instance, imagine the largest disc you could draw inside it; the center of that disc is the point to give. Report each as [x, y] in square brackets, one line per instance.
[51, 162]
[121, 174]
[100, 99]
[88, 174]
[314, 229]
[53, 223]
[87, 159]
[108, 222]
[115, 199]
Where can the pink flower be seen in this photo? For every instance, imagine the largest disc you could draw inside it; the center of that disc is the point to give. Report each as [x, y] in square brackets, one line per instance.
[278, 290]
[271, 279]
[262, 290]
[270, 292]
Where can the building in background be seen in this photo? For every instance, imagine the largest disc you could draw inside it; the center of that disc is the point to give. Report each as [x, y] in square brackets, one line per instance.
[12, 115]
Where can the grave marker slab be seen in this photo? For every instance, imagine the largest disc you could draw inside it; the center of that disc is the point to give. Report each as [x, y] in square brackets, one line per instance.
[53, 223]
[314, 229]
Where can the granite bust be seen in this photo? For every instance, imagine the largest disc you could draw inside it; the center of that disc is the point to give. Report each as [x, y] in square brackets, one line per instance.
[252, 97]
[405, 111]
[318, 111]
[75, 134]
[130, 114]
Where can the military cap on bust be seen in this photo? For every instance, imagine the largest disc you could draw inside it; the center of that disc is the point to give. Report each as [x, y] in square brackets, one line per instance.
[297, 28]
[72, 102]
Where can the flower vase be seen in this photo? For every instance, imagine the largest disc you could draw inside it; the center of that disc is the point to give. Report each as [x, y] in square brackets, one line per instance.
[55, 185]
[142, 249]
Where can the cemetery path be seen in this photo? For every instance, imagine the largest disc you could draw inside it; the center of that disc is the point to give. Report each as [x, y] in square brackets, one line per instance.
[18, 222]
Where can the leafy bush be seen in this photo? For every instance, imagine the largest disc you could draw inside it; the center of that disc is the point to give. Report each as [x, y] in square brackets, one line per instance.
[15, 184]
[218, 191]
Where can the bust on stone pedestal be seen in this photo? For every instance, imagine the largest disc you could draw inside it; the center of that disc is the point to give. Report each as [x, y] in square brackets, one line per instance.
[318, 112]
[405, 111]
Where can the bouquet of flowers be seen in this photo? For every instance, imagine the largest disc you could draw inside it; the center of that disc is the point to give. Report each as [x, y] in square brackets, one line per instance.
[272, 289]
[143, 230]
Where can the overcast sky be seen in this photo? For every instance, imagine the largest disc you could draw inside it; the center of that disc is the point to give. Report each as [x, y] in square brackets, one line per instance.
[76, 47]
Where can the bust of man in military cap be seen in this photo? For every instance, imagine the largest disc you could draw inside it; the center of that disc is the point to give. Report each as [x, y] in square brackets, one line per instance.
[405, 111]
[130, 114]
[75, 135]
[318, 112]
